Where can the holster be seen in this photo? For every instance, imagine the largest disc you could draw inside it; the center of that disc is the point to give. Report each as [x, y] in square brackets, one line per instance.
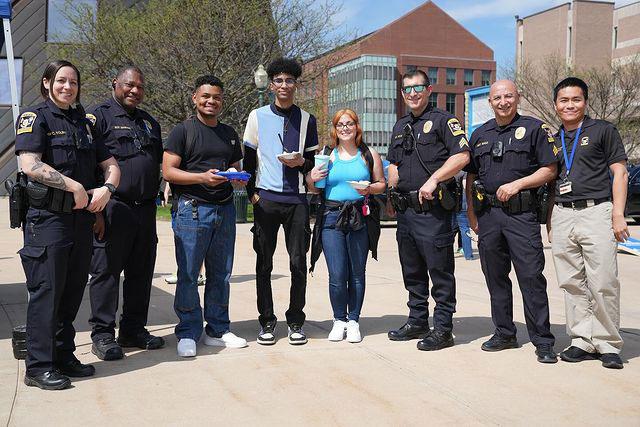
[479, 197]
[52, 199]
[18, 203]
[448, 195]
[398, 201]
[542, 203]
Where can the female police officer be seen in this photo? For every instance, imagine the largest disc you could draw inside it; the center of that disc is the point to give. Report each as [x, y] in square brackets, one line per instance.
[59, 155]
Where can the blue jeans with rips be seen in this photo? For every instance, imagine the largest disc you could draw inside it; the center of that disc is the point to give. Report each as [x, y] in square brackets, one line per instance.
[346, 254]
[203, 232]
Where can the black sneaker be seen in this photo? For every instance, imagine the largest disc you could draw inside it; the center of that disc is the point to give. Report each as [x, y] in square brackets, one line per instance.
[296, 335]
[436, 340]
[611, 361]
[575, 354]
[107, 349]
[142, 339]
[266, 335]
[498, 343]
[546, 354]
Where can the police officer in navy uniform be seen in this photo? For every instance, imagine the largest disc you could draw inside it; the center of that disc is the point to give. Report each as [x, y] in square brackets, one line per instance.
[126, 232]
[59, 155]
[512, 155]
[428, 148]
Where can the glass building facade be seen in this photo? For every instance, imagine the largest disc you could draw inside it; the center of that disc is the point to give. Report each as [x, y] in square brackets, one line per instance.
[367, 85]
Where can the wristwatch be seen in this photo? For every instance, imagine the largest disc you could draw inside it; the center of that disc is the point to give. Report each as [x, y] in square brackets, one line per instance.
[110, 187]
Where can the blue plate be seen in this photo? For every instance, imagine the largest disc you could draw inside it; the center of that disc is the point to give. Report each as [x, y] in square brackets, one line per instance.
[242, 176]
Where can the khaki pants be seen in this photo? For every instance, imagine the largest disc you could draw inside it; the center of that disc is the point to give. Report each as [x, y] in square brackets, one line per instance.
[584, 253]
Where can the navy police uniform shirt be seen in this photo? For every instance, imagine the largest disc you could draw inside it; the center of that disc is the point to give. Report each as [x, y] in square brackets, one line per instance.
[437, 135]
[136, 143]
[599, 146]
[64, 139]
[527, 145]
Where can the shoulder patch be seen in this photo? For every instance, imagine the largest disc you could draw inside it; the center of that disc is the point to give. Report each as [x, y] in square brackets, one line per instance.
[147, 123]
[92, 119]
[545, 127]
[455, 127]
[463, 142]
[25, 123]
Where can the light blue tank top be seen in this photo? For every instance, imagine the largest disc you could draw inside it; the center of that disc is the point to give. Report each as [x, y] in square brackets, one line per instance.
[341, 171]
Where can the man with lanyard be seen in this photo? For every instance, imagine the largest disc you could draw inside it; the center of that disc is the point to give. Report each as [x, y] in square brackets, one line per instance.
[280, 141]
[512, 155]
[428, 147]
[126, 232]
[586, 221]
[203, 218]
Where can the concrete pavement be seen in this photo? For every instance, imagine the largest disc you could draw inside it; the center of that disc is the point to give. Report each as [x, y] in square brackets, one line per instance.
[375, 382]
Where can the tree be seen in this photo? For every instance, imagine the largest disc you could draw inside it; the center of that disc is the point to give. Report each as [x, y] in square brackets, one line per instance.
[614, 93]
[174, 41]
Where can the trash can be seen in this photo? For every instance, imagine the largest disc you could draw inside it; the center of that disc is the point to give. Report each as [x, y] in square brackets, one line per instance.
[240, 201]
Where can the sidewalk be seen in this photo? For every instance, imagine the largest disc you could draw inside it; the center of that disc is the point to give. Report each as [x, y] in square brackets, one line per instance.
[375, 382]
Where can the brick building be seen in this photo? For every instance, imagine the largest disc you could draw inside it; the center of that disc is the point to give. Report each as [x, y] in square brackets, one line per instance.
[365, 74]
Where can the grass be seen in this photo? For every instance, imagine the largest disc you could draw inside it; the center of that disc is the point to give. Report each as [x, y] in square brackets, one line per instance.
[164, 213]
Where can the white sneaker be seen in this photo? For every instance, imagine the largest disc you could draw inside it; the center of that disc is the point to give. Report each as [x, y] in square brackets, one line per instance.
[337, 332]
[228, 339]
[186, 347]
[172, 280]
[353, 331]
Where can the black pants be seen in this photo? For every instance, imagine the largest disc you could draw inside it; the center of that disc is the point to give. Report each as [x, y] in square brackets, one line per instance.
[129, 244]
[268, 216]
[507, 238]
[55, 258]
[425, 246]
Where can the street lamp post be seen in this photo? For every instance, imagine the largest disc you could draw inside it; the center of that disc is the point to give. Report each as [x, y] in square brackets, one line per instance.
[261, 80]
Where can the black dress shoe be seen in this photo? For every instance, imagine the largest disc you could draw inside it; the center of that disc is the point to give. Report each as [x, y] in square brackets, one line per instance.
[611, 361]
[107, 349]
[142, 339]
[575, 354]
[546, 354]
[498, 343]
[50, 380]
[408, 332]
[436, 340]
[75, 369]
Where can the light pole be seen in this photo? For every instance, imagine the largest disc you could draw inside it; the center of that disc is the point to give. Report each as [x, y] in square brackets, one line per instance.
[261, 80]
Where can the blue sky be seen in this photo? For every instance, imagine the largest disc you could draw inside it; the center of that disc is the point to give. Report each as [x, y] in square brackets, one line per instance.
[492, 21]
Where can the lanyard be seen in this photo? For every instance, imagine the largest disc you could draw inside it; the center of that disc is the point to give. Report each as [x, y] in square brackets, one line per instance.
[569, 160]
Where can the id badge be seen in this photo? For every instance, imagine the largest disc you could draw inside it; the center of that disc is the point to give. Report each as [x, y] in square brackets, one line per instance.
[565, 187]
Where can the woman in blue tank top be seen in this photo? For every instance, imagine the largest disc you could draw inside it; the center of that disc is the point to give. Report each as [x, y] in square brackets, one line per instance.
[343, 226]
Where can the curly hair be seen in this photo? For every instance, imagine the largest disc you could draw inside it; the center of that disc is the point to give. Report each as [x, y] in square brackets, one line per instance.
[284, 65]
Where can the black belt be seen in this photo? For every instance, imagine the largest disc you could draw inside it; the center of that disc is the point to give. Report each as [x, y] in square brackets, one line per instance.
[581, 204]
[524, 201]
[136, 202]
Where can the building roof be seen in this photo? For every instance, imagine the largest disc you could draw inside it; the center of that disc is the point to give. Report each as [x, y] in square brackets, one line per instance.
[565, 4]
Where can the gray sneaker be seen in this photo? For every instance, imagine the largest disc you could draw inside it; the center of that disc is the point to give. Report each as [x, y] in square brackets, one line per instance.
[296, 335]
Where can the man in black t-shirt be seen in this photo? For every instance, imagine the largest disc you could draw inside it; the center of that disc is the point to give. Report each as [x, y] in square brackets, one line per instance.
[203, 217]
[586, 221]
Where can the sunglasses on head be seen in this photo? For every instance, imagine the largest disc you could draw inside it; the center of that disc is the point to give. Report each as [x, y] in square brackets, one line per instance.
[416, 88]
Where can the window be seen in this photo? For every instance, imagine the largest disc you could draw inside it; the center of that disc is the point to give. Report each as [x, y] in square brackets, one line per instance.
[486, 77]
[5, 89]
[433, 100]
[433, 75]
[451, 76]
[411, 68]
[59, 26]
[468, 77]
[451, 103]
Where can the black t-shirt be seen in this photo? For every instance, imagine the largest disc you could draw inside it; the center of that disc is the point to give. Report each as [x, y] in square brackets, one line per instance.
[528, 144]
[599, 146]
[215, 147]
[438, 135]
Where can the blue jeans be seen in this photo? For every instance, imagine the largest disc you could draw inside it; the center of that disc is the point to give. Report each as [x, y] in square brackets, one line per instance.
[210, 237]
[463, 224]
[346, 255]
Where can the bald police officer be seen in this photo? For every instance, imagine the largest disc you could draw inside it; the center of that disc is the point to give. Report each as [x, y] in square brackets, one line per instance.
[126, 233]
[427, 149]
[512, 155]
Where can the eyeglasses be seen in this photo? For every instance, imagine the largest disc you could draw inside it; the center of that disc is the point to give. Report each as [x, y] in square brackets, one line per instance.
[280, 81]
[345, 125]
[417, 88]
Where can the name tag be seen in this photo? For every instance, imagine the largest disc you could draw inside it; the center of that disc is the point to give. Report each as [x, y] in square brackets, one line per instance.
[565, 187]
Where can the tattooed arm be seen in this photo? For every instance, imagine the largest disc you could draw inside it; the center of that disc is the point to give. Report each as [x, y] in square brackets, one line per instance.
[36, 169]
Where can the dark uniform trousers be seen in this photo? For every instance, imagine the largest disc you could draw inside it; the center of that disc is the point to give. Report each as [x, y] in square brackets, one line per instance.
[506, 238]
[425, 245]
[268, 216]
[55, 257]
[130, 244]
